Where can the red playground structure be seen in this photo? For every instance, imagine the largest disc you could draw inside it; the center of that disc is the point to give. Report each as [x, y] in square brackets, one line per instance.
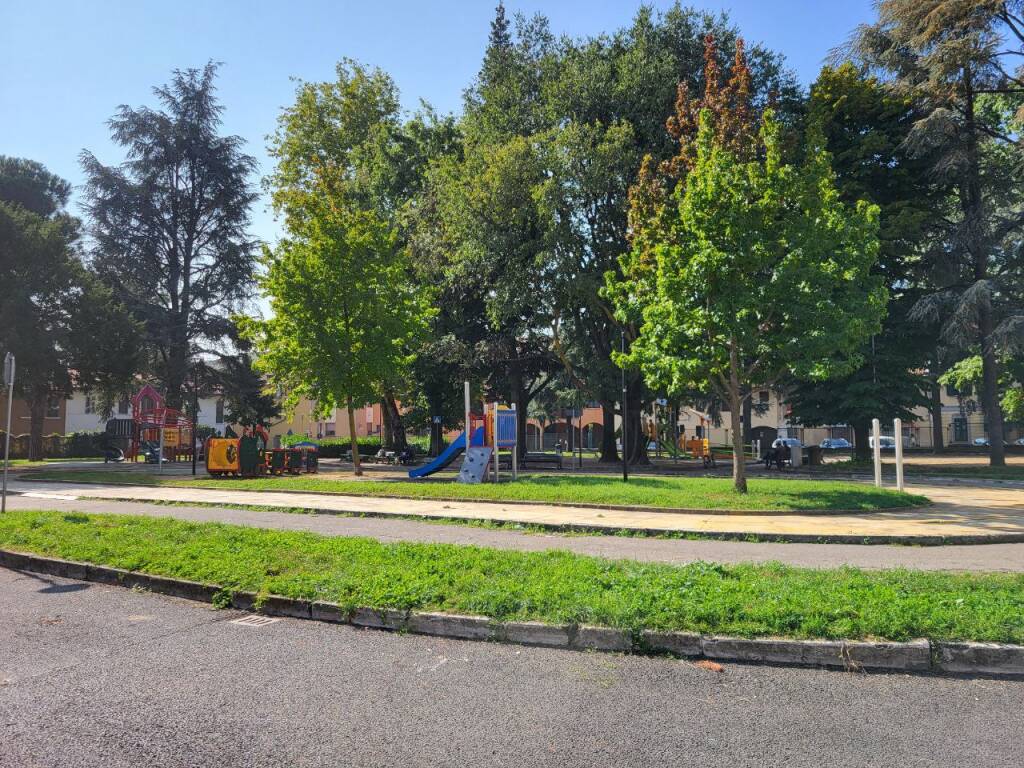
[157, 429]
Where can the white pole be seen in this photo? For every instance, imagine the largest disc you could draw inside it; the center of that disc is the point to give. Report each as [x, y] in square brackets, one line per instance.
[877, 452]
[515, 445]
[897, 426]
[494, 437]
[9, 375]
[467, 418]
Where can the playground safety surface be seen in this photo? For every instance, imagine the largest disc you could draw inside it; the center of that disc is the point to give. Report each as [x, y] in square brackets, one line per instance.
[959, 515]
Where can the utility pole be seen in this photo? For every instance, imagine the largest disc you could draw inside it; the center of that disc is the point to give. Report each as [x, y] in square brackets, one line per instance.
[9, 381]
[625, 467]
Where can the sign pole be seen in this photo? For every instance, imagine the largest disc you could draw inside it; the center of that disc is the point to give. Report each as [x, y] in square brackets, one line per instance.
[876, 432]
[898, 431]
[9, 381]
[625, 467]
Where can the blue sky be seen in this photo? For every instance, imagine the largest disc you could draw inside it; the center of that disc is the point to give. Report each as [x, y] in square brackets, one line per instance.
[65, 65]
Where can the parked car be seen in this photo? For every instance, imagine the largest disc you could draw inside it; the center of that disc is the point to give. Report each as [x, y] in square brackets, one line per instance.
[1019, 441]
[885, 443]
[835, 444]
[787, 442]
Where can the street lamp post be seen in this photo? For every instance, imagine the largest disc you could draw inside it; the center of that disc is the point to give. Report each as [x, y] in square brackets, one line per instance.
[9, 381]
[625, 467]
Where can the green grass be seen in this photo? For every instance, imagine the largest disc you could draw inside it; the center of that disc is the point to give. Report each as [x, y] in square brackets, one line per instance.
[968, 471]
[551, 586]
[30, 464]
[664, 493]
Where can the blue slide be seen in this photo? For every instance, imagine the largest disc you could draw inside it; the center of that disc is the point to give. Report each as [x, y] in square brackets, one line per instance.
[457, 446]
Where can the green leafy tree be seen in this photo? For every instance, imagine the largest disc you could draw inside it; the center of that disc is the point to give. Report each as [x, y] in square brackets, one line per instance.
[760, 271]
[344, 314]
[63, 326]
[168, 225]
[353, 125]
[953, 58]
[866, 127]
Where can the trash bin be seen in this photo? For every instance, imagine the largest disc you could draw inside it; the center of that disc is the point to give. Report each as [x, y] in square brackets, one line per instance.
[294, 461]
[814, 455]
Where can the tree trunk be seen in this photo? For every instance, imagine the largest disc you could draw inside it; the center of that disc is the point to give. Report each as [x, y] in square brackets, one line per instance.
[387, 439]
[609, 453]
[436, 430]
[636, 442]
[739, 464]
[748, 417]
[861, 440]
[935, 409]
[990, 396]
[356, 464]
[37, 417]
[393, 420]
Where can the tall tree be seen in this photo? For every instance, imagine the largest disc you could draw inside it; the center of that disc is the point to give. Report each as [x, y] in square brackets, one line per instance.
[488, 215]
[952, 57]
[353, 124]
[168, 225]
[613, 95]
[759, 272]
[865, 128]
[63, 326]
[344, 312]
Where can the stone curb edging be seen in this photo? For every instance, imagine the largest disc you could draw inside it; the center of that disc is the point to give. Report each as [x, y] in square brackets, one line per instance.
[919, 656]
[522, 502]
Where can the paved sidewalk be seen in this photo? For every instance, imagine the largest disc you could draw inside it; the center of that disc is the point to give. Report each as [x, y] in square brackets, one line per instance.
[973, 515]
[977, 557]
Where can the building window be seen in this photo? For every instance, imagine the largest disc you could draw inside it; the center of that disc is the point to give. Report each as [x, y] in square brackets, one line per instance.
[959, 430]
[90, 404]
[53, 408]
[952, 391]
[763, 396]
[122, 408]
[219, 418]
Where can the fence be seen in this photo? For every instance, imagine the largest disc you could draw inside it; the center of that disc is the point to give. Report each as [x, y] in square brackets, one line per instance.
[75, 445]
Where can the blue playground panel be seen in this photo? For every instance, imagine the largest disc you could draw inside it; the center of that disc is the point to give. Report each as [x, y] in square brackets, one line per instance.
[506, 429]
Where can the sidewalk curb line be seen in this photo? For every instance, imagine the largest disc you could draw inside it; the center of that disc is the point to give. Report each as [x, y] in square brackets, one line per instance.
[923, 540]
[918, 656]
[521, 502]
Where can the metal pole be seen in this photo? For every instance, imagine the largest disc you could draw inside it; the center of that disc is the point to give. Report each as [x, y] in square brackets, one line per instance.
[195, 421]
[625, 468]
[468, 426]
[160, 452]
[897, 425]
[876, 432]
[515, 445]
[494, 437]
[9, 377]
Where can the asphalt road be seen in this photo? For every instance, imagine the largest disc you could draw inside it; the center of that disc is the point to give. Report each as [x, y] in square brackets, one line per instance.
[102, 676]
[970, 557]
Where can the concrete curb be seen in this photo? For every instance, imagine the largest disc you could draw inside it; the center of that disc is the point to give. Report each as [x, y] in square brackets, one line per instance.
[924, 540]
[917, 656]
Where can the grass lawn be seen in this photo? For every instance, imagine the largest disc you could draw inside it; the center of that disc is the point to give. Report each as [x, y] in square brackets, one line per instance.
[975, 471]
[553, 586]
[29, 464]
[664, 493]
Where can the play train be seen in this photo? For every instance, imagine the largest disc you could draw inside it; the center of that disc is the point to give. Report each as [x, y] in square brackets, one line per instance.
[249, 456]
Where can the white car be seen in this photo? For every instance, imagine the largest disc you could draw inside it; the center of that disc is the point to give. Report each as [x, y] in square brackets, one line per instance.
[787, 442]
[885, 443]
[1019, 441]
